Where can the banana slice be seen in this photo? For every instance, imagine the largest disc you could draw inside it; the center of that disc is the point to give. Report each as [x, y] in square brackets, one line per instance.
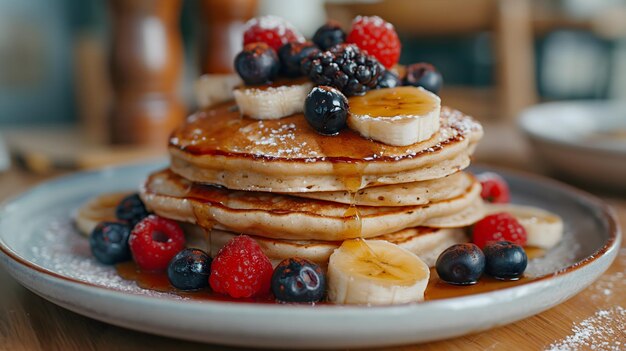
[212, 89]
[272, 102]
[544, 229]
[396, 116]
[375, 272]
[98, 209]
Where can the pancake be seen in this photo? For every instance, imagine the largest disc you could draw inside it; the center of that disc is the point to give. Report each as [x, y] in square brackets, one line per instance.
[425, 242]
[414, 193]
[282, 216]
[219, 146]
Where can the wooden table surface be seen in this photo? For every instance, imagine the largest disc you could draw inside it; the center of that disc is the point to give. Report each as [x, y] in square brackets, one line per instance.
[594, 318]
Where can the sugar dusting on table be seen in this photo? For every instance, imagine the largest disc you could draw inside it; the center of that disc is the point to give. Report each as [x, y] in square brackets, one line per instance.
[63, 250]
[605, 330]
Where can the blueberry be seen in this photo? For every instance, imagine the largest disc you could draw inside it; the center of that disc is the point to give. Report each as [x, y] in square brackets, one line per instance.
[389, 80]
[189, 270]
[131, 209]
[329, 35]
[257, 64]
[424, 75]
[298, 280]
[461, 264]
[326, 110]
[109, 242]
[291, 56]
[505, 260]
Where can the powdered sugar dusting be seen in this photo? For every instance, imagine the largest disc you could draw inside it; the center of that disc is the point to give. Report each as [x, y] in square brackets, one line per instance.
[270, 22]
[605, 330]
[63, 250]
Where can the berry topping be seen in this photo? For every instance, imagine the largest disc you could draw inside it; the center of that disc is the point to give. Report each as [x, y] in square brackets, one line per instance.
[498, 227]
[461, 264]
[329, 35]
[495, 188]
[189, 270]
[424, 75]
[376, 36]
[344, 67]
[272, 30]
[389, 80]
[326, 110]
[257, 64]
[131, 209]
[291, 56]
[298, 280]
[154, 241]
[505, 260]
[241, 269]
[109, 242]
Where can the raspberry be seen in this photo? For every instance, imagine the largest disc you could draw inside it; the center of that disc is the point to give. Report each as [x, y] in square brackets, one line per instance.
[154, 241]
[498, 227]
[495, 188]
[272, 30]
[377, 37]
[241, 269]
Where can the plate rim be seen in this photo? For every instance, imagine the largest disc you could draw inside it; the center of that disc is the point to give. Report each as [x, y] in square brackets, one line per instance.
[611, 244]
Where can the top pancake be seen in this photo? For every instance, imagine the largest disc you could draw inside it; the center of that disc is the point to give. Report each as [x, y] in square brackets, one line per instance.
[219, 146]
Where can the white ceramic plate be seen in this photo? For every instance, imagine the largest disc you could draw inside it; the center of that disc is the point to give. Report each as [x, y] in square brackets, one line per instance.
[585, 140]
[40, 248]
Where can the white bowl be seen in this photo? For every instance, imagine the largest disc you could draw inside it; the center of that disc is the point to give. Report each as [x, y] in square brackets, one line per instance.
[584, 140]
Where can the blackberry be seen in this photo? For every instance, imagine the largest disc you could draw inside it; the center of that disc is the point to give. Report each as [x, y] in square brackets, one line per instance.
[344, 67]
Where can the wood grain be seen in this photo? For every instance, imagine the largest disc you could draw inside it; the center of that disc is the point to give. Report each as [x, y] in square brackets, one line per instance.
[28, 322]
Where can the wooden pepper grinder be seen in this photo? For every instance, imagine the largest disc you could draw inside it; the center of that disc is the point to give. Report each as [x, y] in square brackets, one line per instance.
[146, 61]
[222, 35]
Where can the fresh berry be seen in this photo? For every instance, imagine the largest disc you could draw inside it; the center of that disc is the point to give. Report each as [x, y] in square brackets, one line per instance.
[344, 67]
[272, 30]
[505, 260]
[154, 241]
[291, 56]
[498, 227]
[189, 270]
[424, 75]
[461, 264]
[109, 242]
[329, 35]
[495, 188]
[389, 80]
[257, 64]
[131, 209]
[298, 280]
[376, 36]
[326, 110]
[241, 269]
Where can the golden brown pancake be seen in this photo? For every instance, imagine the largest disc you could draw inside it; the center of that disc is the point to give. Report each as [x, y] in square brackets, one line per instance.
[219, 146]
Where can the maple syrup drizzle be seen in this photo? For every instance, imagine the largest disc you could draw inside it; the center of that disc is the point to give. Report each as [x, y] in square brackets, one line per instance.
[436, 289]
[205, 220]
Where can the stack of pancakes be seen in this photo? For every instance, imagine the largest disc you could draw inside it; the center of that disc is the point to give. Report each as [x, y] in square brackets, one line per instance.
[299, 193]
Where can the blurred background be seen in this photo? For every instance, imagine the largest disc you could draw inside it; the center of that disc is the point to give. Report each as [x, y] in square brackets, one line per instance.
[94, 82]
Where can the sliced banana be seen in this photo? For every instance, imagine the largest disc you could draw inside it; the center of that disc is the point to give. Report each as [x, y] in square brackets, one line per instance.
[98, 209]
[544, 229]
[396, 116]
[375, 272]
[272, 102]
[212, 89]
